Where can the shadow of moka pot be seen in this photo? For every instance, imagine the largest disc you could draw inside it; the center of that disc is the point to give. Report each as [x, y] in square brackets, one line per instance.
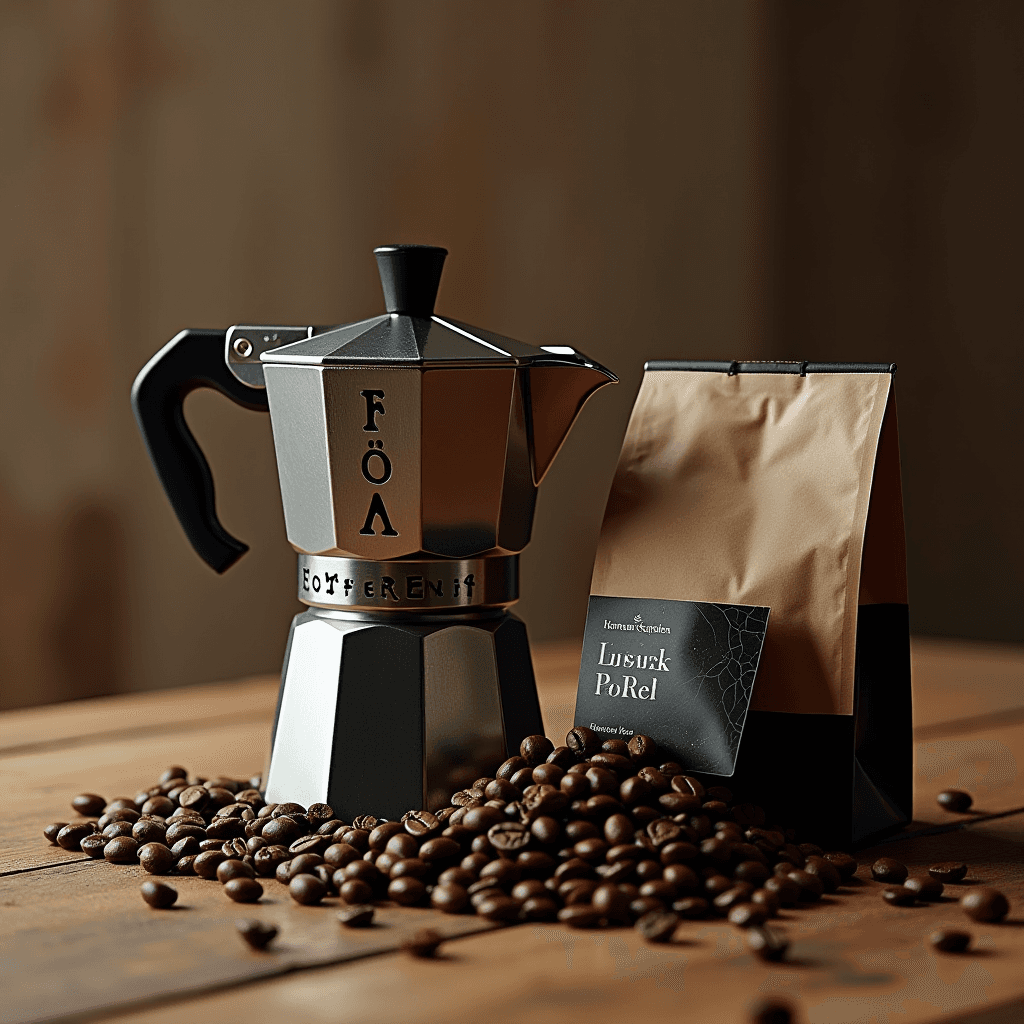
[409, 449]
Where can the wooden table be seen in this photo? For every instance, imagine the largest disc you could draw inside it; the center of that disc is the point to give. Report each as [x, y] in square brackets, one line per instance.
[78, 942]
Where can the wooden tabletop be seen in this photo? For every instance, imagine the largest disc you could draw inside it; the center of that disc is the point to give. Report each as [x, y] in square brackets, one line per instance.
[79, 943]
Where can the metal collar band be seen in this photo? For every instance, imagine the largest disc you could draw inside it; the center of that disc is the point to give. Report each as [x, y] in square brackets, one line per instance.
[411, 586]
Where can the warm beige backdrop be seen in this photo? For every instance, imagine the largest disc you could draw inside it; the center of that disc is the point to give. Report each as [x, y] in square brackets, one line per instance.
[644, 180]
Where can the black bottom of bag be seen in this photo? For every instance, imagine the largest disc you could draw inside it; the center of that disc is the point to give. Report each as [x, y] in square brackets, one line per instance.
[840, 780]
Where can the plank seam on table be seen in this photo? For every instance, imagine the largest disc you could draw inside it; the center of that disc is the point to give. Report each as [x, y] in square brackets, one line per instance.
[52, 864]
[156, 729]
[132, 1006]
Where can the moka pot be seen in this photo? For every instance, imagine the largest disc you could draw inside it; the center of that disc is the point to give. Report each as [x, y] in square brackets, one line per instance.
[409, 450]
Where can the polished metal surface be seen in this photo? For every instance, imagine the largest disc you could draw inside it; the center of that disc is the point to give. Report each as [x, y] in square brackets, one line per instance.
[245, 343]
[431, 707]
[447, 585]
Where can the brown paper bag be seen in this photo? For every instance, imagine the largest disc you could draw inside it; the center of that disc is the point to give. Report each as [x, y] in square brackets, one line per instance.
[778, 484]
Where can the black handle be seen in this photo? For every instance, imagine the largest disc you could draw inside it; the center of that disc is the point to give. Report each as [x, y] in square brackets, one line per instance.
[190, 360]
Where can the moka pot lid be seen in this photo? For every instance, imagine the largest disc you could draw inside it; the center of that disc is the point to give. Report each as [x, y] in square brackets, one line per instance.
[410, 333]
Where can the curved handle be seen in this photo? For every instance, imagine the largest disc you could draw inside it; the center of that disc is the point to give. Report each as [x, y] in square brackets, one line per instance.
[190, 360]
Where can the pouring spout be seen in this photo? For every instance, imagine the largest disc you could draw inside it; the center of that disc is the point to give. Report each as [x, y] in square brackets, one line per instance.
[558, 388]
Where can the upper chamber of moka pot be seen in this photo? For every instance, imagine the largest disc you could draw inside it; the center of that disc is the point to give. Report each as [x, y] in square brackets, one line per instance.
[411, 435]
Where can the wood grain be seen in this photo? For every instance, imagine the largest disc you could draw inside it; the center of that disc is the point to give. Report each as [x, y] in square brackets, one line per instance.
[85, 922]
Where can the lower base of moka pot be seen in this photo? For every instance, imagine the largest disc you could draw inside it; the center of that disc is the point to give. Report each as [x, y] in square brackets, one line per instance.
[382, 712]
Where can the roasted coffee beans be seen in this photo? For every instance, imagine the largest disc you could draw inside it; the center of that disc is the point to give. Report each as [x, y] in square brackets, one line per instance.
[950, 940]
[256, 934]
[359, 916]
[243, 890]
[985, 904]
[955, 800]
[885, 869]
[948, 873]
[423, 943]
[158, 895]
[766, 943]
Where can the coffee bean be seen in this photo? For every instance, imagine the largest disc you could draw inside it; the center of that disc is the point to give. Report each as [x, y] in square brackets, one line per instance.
[122, 803]
[185, 865]
[823, 870]
[481, 896]
[885, 869]
[899, 895]
[811, 887]
[244, 890]
[539, 908]
[319, 813]
[255, 933]
[420, 824]
[768, 900]
[754, 872]
[955, 800]
[766, 944]
[747, 915]
[581, 915]
[924, 887]
[611, 902]
[207, 862]
[149, 832]
[189, 846]
[158, 805]
[424, 943]
[547, 774]
[438, 850]
[535, 749]
[691, 907]
[738, 893]
[181, 829]
[510, 767]
[785, 890]
[947, 873]
[70, 836]
[501, 908]
[158, 895]
[307, 889]
[89, 804]
[771, 1011]
[281, 830]
[53, 830]
[508, 836]
[657, 926]
[449, 898]
[358, 916]
[583, 741]
[353, 890]
[236, 848]
[407, 891]
[949, 940]
[122, 850]
[156, 858]
[985, 904]
[94, 845]
[118, 828]
[561, 756]
[686, 785]
[174, 772]
[231, 869]
[843, 863]
[293, 808]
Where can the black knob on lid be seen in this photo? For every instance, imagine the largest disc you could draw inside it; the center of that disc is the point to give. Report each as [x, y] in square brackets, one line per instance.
[410, 275]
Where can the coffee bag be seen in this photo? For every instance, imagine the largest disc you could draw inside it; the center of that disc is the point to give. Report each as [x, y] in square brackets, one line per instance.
[778, 485]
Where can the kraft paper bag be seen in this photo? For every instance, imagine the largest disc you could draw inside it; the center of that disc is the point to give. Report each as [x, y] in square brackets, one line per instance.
[778, 485]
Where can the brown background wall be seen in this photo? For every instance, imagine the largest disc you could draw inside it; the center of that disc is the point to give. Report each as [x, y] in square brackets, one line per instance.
[643, 181]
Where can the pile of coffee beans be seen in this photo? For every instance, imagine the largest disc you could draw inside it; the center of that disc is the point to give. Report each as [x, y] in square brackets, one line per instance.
[592, 833]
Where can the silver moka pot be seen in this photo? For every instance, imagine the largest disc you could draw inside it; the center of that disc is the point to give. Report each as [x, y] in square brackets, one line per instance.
[409, 448]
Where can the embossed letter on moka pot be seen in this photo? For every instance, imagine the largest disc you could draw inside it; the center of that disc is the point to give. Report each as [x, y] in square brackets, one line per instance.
[749, 486]
[681, 672]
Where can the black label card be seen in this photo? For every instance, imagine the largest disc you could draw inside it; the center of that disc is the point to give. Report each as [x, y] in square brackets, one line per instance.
[681, 672]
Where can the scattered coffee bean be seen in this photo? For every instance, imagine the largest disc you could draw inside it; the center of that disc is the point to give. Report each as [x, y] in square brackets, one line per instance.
[766, 943]
[307, 889]
[843, 863]
[579, 916]
[771, 1011]
[89, 804]
[924, 887]
[885, 869]
[70, 836]
[359, 916]
[244, 890]
[948, 873]
[899, 895]
[424, 943]
[207, 862]
[449, 898]
[255, 933]
[985, 904]
[230, 869]
[158, 895]
[747, 915]
[407, 891]
[955, 800]
[657, 926]
[950, 940]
